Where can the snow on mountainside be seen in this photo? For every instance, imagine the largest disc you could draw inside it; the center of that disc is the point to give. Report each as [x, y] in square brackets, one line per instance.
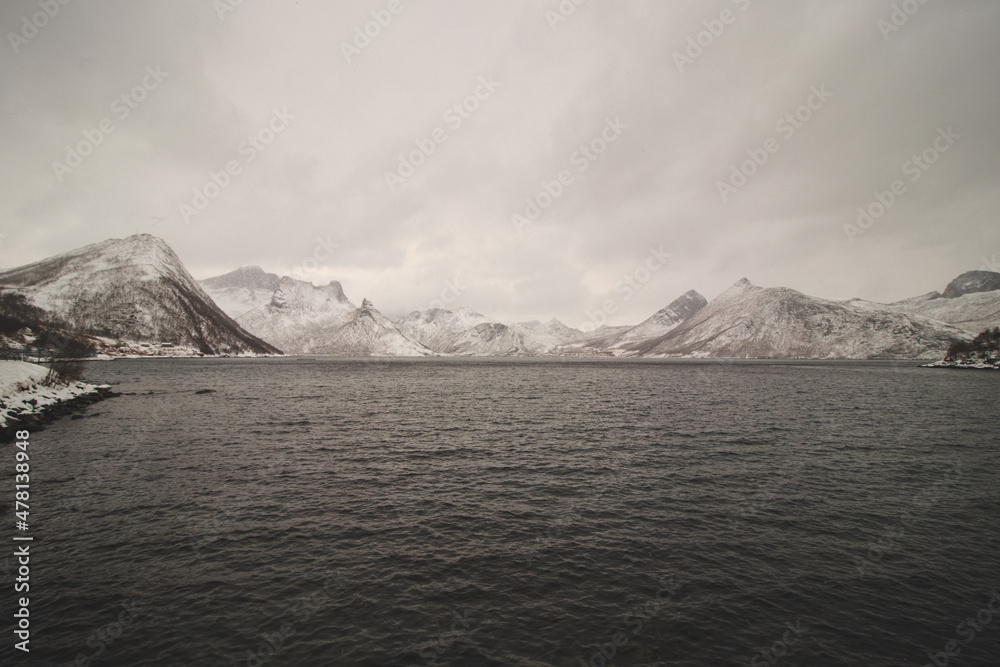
[753, 322]
[970, 302]
[134, 294]
[597, 343]
[463, 331]
[549, 335]
[745, 321]
[242, 290]
[666, 320]
[438, 329]
[134, 290]
[619, 341]
[301, 318]
[504, 340]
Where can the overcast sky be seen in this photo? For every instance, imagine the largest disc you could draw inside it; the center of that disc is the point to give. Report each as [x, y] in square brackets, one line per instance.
[676, 118]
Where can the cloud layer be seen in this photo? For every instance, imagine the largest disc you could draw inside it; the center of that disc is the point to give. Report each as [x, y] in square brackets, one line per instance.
[738, 136]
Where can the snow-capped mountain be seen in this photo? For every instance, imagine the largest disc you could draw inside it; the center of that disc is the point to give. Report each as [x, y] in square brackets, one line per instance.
[624, 341]
[240, 291]
[135, 293]
[970, 302]
[666, 320]
[301, 318]
[495, 339]
[779, 323]
[972, 282]
[551, 335]
[130, 290]
[438, 329]
[463, 331]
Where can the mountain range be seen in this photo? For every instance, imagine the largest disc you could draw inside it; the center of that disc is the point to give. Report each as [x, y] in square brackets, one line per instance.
[301, 318]
[747, 321]
[465, 332]
[136, 291]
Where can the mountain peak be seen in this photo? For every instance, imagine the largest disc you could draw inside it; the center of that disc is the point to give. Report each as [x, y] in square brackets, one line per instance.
[245, 277]
[144, 238]
[972, 282]
[681, 308]
[689, 297]
[337, 290]
[144, 254]
[741, 286]
[306, 319]
[134, 289]
[141, 247]
[301, 295]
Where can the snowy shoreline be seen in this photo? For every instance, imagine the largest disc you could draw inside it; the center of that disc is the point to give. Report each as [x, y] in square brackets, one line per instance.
[26, 402]
[964, 365]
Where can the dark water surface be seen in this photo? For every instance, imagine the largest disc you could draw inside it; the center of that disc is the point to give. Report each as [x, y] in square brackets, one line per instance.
[492, 512]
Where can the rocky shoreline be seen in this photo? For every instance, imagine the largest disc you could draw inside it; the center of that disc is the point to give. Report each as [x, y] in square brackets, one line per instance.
[29, 403]
[46, 414]
[965, 364]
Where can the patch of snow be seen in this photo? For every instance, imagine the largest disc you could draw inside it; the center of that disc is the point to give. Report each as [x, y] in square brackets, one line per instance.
[18, 376]
[21, 391]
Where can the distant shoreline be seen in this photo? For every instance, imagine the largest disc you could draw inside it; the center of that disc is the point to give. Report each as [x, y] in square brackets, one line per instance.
[963, 365]
[678, 361]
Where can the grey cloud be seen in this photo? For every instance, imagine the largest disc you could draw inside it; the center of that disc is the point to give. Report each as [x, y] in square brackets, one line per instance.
[324, 176]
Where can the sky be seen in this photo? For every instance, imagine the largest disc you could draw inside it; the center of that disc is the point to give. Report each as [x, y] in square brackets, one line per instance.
[587, 160]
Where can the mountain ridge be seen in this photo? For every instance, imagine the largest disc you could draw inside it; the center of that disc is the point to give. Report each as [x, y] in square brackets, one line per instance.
[747, 321]
[133, 290]
[303, 318]
[137, 289]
